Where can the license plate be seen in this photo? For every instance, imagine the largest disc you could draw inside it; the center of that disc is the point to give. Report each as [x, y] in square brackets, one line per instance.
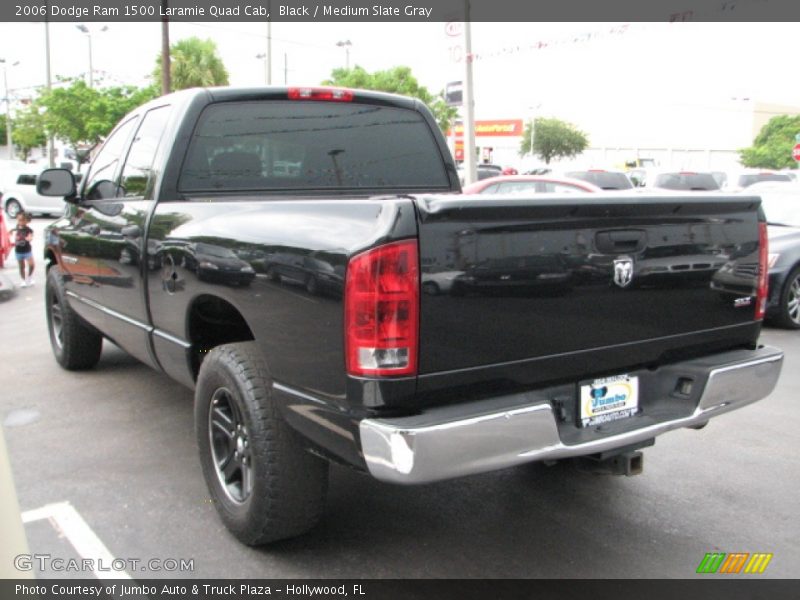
[608, 399]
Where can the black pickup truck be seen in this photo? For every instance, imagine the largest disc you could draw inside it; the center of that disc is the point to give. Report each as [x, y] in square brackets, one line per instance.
[302, 259]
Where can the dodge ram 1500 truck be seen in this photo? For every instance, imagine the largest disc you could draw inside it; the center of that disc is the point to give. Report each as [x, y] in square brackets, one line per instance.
[302, 259]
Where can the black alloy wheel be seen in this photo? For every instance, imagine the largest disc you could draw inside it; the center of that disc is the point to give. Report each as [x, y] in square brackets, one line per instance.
[230, 447]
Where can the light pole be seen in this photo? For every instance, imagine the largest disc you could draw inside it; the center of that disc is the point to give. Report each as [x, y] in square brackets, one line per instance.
[470, 170]
[9, 143]
[88, 33]
[346, 44]
[533, 109]
[268, 55]
[51, 150]
[265, 58]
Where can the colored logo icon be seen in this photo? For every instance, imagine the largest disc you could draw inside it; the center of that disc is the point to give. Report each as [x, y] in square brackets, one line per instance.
[734, 563]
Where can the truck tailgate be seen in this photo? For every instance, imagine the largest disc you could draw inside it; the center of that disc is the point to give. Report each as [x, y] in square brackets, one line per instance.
[600, 283]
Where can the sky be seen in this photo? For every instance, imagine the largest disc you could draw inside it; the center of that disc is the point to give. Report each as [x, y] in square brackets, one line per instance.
[620, 82]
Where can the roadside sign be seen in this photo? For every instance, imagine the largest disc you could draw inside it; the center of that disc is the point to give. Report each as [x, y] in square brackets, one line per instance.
[454, 93]
[454, 28]
[796, 152]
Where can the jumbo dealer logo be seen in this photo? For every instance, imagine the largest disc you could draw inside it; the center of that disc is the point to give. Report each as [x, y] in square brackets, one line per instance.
[609, 399]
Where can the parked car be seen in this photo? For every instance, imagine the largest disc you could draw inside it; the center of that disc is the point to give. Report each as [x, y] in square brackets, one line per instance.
[747, 178]
[606, 179]
[22, 196]
[781, 203]
[315, 271]
[218, 264]
[683, 181]
[483, 171]
[527, 184]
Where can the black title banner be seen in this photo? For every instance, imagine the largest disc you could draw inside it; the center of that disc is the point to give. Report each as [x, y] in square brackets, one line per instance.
[391, 589]
[399, 10]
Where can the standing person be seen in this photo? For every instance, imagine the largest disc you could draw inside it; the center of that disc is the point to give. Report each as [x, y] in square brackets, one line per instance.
[23, 236]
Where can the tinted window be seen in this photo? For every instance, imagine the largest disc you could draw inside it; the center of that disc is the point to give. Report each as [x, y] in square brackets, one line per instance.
[687, 181]
[311, 145]
[603, 179]
[564, 188]
[746, 180]
[518, 187]
[105, 163]
[137, 175]
[26, 180]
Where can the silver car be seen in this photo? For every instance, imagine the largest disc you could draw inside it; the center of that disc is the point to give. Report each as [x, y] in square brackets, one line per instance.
[21, 196]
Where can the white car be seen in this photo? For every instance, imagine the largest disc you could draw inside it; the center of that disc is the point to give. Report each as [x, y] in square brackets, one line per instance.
[21, 196]
[744, 179]
[682, 181]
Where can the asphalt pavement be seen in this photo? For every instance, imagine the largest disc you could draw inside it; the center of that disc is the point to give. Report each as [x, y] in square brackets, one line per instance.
[106, 459]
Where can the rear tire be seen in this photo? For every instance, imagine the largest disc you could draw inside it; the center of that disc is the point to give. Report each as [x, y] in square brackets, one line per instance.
[789, 309]
[75, 344]
[265, 485]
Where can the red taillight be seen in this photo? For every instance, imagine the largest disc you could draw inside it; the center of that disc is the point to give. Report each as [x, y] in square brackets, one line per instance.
[763, 271]
[325, 94]
[381, 310]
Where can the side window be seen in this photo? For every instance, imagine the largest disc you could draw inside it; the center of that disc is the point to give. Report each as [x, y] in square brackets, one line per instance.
[564, 188]
[99, 181]
[518, 187]
[137, 174]
[26, 180]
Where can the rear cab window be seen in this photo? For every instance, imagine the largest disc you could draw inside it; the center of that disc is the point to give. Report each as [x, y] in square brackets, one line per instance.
[687, 181]
[315, 146]
[750, 179]
[606, 180]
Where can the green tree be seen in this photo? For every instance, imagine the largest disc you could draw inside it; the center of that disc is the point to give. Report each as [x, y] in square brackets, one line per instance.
[28, 130]
[397, 80]
[83, 116]
[193, 63]
[772, 148]
[553, 138]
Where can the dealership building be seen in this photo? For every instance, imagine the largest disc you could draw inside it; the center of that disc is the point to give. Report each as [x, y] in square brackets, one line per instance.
[702, 137]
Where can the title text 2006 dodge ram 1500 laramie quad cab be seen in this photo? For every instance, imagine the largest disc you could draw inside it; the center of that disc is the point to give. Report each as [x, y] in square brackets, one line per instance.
[301, 258]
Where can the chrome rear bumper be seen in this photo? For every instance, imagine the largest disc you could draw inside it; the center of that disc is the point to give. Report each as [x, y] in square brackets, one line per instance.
[502, 432]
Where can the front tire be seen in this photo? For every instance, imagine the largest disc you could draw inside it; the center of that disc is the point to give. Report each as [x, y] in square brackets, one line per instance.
[430, 288]
[789, 310]
[13, 208]
[75, 344]
[265, 485]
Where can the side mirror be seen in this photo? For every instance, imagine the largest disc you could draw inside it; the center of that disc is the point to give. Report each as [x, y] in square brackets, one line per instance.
[57, 182]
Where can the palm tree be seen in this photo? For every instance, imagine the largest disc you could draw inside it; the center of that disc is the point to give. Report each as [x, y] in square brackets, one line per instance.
[193, 63]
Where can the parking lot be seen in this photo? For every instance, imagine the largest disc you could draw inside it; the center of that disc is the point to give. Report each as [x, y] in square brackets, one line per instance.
[116, 444]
